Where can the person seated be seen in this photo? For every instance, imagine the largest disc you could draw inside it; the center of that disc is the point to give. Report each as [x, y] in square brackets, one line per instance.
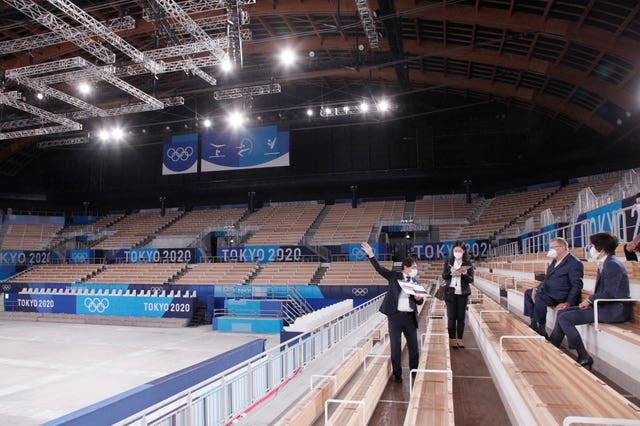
[612, 282]
[633, 246]
[561, 286]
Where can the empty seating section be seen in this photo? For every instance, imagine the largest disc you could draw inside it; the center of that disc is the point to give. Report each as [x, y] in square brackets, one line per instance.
[282, 224]
[540, 383]
[56, 273]
[148, 273]
[281, 273]
[501, 211]
[29, 236]
[354, 273]
[134, 228]
[71, 230]
[216, 273]
[448, 207]
[344, 224]
[195, 222]
[448, 232]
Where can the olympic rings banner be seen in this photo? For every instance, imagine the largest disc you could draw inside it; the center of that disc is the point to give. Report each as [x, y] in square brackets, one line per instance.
[125, 306]
[181, 155]
[251, 148]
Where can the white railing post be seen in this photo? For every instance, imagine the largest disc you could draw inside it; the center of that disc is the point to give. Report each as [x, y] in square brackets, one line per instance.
[595, 308]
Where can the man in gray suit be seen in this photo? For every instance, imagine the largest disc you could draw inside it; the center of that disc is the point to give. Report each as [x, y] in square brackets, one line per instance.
[561, 286]
[612, 282]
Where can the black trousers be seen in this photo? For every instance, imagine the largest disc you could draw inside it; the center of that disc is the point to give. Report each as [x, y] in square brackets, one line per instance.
[403, 323]
[630, 255]
[456, 313]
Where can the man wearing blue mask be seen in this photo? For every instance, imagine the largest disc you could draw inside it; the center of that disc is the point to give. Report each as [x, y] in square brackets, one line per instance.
[561, 286]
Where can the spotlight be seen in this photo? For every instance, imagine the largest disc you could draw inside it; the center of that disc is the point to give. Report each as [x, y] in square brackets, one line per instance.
[117, 134]
[144, 131]
[628, 114]
[619, 122]
[103, 135]
[309, 112]
[235, 119]
[226, 66]
[40, 96]
[407, 236]
[364, 106]
[345, 108]
[327, 111]
[361, 47]
[167, 128]
[287, 57]
[84, 88]
[383, 105]
[312, 54]
[207, 123]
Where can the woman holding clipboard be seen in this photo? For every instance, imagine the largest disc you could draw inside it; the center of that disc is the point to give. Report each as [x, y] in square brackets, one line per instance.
[458, 275]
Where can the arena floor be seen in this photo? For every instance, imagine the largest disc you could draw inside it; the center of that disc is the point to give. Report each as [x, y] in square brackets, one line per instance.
[50, 369]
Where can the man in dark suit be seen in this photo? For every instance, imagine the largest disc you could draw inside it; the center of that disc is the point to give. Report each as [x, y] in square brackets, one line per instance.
[561, 286]
[400, 309]
[612, 282]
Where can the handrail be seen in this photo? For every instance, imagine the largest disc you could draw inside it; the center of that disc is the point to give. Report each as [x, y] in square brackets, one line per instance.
[570, 420]
[595, 308]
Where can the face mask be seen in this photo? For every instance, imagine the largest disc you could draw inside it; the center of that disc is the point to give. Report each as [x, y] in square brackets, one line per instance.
[594, 253]
[457, 255]
[413, 273]
[552, 253]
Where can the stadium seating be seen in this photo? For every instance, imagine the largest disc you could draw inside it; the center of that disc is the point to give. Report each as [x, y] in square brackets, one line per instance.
[354, 273]
[284, 273]
[133, 229]
[216, 274]
[56, 273]
[282, 224]
[344, 224]
[148, 273]
[443, 207]
[29, 236]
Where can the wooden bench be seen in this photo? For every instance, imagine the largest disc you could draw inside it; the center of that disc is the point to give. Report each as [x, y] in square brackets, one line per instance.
[539, 383]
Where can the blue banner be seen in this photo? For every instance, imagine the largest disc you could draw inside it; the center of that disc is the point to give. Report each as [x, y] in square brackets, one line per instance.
[17, 219]
[158, 255]
[179, 156]
[250, 148]
[132, 306]
[442, 249]
[264, 253]
[31, 257]
[80, 256]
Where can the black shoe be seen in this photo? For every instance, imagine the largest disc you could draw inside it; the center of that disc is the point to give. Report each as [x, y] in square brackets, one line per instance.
[397, 379]
[586, 363]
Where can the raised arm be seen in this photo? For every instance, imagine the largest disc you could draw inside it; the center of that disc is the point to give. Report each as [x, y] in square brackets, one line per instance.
[386, 273]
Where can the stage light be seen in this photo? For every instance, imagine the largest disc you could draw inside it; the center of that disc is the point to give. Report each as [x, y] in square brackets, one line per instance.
[206, 123]
[84, 88]
[40, 96]
[309, 112]
[383, 105]
[287, 57]
[235, 119]
[144, 131]
[117, 134]
[364, 107]
[103, 135]
[327, 111]
[345, 108]
[226, 66]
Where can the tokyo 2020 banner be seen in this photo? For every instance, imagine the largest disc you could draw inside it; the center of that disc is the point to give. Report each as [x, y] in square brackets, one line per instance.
[250, 148]
[179, 156]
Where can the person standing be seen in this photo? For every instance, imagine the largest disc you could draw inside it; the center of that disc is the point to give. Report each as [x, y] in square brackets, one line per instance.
[612, 282]
[458, 275]
[401, 311]
[632, 247]
[561, 286]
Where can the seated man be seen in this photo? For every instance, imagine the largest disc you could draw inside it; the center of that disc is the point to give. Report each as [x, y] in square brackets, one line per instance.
[561, 286]
[633, 246]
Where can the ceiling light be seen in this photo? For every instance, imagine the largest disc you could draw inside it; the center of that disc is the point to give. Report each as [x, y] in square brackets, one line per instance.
[117, 134]
[287, 57]
[364, 106]
[327, 111]
[309, 112]
[235, 119]
[84, 88]
[226, 66]
[345, 108]
[40, 96]
[207, 123]
[103, 135]
[383, 105]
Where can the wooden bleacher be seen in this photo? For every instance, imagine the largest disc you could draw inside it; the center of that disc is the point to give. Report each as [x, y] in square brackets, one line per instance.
[216, 274]
[354, 273]
[197, 221]
[539, 383]
[56, 273]
[139, 273]
[29, 236]
[443, 207]
[133, 229]
[282, 224]
[286, 273]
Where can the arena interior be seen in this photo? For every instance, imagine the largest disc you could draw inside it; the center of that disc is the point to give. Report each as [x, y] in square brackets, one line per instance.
[186, 184]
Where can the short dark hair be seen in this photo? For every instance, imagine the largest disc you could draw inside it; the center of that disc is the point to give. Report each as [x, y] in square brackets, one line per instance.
[638, 195]
[460, 243]
[604, 241]
[408, 262]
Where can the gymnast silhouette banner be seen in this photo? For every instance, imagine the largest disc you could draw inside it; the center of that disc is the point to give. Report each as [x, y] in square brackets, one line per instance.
[249, 148]
[180, 156]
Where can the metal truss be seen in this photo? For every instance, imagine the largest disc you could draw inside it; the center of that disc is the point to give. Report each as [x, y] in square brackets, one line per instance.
[49, 39]
[197, 6]
[175, 12]
[181, 65]
[209, 23]
[64, 30]
[107, 74]
[238, 92]
[91, 24]
[367, 23]
[13, 99]
[350, 109]
[63, 142]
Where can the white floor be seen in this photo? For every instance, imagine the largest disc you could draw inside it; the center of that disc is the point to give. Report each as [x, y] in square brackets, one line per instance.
[50, 369]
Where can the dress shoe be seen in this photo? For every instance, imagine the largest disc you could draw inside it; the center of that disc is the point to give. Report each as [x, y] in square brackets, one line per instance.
[460, 344]
[453, 343]
[397, 379]
[586, 362]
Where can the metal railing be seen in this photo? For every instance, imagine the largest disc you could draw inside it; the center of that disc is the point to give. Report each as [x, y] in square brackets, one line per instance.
[224, 397]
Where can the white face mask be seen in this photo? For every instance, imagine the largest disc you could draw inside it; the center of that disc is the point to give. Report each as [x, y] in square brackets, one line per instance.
[594, 253]
[413, 273]
[457, 255]
[552, 253]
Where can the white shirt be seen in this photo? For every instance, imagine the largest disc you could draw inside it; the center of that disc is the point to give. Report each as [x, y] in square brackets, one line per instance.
[456, 282]
[403, 298]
